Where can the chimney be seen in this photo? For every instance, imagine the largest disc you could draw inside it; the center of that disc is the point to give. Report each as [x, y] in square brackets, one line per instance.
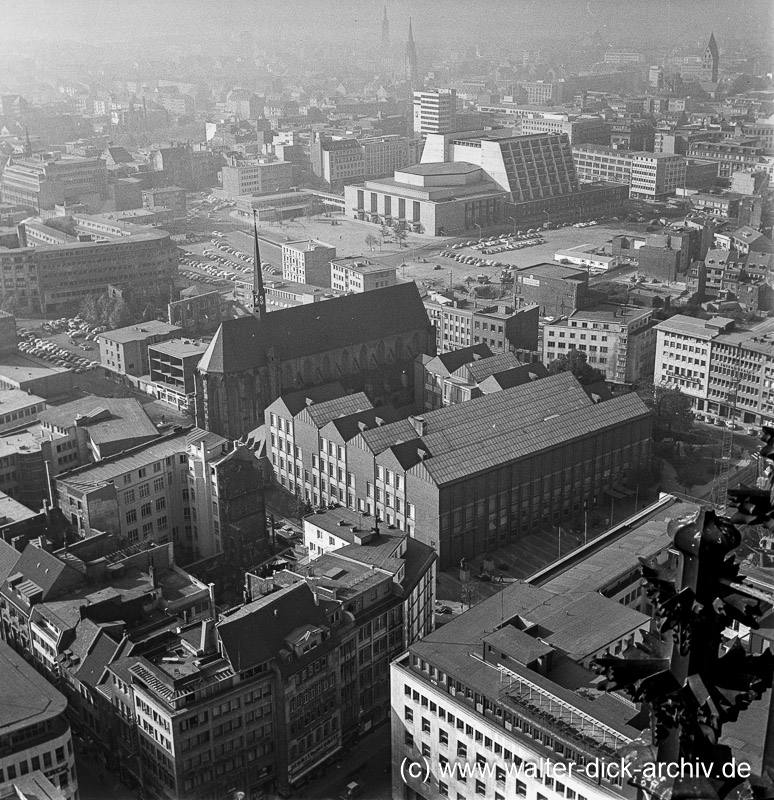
[206, 636]
[419, 424]
[211, 589]
[154, 578]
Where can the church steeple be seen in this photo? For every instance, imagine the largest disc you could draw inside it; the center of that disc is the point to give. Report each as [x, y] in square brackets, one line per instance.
[411, 57]
[259, 292]
[711, 60]
[27, 143]
[385, 30]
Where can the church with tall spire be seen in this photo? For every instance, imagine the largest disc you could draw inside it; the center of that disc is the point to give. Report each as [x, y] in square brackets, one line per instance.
[385, 31]
[711, 60]
[258, 304]
[412, 72]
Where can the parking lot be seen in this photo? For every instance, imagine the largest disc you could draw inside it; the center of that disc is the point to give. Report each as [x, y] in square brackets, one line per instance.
[68, 343]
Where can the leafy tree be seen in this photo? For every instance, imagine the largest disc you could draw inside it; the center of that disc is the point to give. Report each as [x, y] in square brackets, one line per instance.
[672, 412]
[371, 241]
[685, 473]
[575, 361]
[384, 232]
[400, 233]
[120, 316]
[88, 309]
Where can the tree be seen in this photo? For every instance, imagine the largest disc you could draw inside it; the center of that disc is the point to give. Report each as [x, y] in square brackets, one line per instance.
[88, 309]
[371, 241]
[575, 361]
[672, 412]
[120, 316]
[400, 233]
[384, 232]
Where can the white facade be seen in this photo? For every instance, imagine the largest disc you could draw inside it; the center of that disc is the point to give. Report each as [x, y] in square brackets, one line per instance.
[434, 111]
[683, 358]
[443, 730]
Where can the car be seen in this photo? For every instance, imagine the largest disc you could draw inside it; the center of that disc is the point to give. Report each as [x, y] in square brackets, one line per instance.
[437, 266]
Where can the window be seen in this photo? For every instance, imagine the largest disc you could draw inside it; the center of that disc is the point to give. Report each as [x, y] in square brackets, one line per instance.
[480, 788]
[146, 509]
[129, 496]
[425, 725]
[158, 484]
[161, 503]
[443, 789]
[147, 529]
[443, 736]
[131, 516]
[408, 739]
[462, 750]
[408, 714]
[144, 490]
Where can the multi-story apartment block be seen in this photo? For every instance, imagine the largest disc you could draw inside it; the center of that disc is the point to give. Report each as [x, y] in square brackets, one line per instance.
[727, 374]
[619, 341]
[420, 474]
[261, 176]
[308, 261]
[40, 182]
[141, 495]
[732, 155]
[358, 274]
[172, 366]
[632, 134]
[36, 736]
[728, 275]
[594, 163]
[386, 580]
[125, 350]
[461, 323]
[194, 490]
[434, 111]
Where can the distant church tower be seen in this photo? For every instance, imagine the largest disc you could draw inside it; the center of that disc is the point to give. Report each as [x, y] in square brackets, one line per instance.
[710, 60]
[385, 32]
[412, 74]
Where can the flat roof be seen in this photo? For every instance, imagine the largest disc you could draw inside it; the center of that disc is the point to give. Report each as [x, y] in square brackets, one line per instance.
[180, 347]
[27, 697]
[441, 168]
[14, 399]
[19, 368]
[13, 511]
[139, 332]
[361, 264]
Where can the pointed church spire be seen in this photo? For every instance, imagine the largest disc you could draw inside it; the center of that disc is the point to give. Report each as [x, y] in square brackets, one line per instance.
[385, 29]
[259, 292]
[27, 142]
[411, 57]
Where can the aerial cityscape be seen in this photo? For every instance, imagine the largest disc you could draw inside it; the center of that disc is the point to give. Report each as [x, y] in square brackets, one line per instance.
[386, 400]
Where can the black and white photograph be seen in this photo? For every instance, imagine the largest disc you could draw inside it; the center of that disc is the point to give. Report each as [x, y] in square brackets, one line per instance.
[386, 400]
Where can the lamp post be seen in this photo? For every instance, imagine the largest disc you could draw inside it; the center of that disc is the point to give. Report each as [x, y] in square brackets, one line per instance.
[480, 234]
[548, 216]
[511, 219]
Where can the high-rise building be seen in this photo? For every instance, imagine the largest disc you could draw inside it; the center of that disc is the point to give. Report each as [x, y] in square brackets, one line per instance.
[307, 261]
[434, 111]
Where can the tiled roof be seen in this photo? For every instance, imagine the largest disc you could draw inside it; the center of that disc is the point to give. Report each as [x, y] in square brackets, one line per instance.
[9, 557]
[242, 344]
[323, 413]
[478, 370]
[455, 359]
[296, 402]
[350, 426]
[45, 570]
[524, 373]
[520, 436]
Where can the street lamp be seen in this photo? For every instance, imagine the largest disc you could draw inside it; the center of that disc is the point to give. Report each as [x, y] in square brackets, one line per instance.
[548, 216]
[480, 234]
[511, 219]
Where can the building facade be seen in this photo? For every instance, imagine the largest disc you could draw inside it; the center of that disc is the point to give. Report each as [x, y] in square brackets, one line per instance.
[124, 351]
[308, 262]
[358, 274]
[434, 111]
[263, 176]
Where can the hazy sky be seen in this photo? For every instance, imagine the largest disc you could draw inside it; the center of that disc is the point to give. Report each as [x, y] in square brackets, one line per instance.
[102, 21]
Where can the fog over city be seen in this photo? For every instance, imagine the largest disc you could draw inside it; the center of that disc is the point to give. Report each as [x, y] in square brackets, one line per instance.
[386, 399]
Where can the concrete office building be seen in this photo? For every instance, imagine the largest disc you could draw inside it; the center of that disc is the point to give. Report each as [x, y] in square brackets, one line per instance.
[124, 351]
[726, 374]
[262, 176]
[733, 155]
[172, 368]
[358, 274]
[518, 451]
[504, 701]
[48, 278]
[308, 261]
[41, 182]
[578, 129]
[19, 408]
[36, 736]
[171, 197]
[619, 341]
[434, 111]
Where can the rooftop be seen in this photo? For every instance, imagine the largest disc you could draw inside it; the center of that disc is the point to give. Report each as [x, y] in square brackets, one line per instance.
[27, 697]
[19, 369]
[141, 332]
[180, 348]
[15, 399]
